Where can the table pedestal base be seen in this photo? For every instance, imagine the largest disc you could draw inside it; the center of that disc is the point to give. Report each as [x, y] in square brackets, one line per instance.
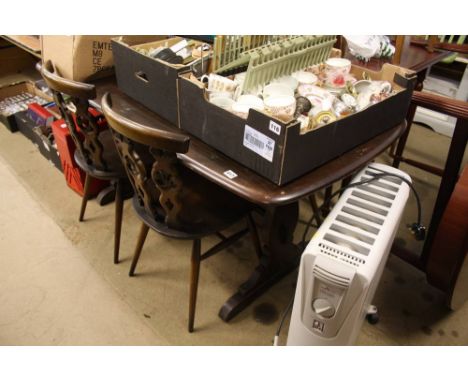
[280, 256]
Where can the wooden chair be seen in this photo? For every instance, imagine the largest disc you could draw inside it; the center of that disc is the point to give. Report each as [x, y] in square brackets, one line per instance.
[171, 199]
[95, 153]
[449, 174]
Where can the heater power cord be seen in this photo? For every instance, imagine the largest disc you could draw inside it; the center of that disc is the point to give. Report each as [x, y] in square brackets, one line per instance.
[417, 229]
[283, 317]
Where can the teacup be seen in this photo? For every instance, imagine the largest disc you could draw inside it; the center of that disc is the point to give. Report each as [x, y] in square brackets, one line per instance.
[305, 78]
[289, 81]
[282, 107]
[222, 102]
[245, 103]
[257, 91]
[217, 83]
[219, 94]
[277, 89]
[361, 85]
[336, 72]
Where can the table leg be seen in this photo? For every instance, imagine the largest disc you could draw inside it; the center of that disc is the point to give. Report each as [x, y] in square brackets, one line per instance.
[280, 256]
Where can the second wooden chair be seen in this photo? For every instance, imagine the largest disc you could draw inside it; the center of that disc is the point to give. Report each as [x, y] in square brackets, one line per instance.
[95, 151]
[171, 199]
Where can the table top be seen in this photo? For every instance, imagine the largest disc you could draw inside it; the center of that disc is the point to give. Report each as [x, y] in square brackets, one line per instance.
[212, 164]
[414, 57]
[29, 43]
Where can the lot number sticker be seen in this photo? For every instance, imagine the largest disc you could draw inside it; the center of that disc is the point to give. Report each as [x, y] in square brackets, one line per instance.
[275, 127]
[259, 143]
[230, 174]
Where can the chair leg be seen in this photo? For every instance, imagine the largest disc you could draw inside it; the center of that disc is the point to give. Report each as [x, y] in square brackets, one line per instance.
[118, 219]
[85, 198]
[141, 240]
[315, 209]
[400, 147]
[327, 202]
[194, 273]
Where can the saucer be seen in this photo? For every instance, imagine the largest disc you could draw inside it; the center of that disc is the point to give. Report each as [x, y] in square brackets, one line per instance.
[347, 78]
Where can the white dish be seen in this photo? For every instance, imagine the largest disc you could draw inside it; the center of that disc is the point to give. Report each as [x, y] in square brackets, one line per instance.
[314, 92]
[219, 94]
[277, 89]
[253, 101]
[304, 77]
[289, 81]
[223, 102]
[245, 103]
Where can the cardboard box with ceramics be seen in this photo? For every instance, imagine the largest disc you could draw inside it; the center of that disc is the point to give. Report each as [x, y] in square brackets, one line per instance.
[278, 150]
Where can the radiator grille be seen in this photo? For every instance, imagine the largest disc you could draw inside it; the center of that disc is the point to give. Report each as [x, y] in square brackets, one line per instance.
[353, 232]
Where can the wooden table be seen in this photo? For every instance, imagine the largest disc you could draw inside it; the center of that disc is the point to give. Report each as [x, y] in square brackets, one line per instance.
[279, 204]
[414, 57]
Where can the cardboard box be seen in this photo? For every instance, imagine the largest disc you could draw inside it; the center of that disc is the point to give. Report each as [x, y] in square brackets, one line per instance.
[25, 125]
[151, 82]
[15, 89]
[34, 133]
[79, 58]
[46, 147]
[283, 153]
[15, 60]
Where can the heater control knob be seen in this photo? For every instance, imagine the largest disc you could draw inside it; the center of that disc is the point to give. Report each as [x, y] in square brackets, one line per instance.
[323, 307]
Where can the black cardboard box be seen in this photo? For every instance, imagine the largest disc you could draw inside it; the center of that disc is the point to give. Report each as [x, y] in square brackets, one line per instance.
[46, 148]
[25, 125]
[151, 82]
[277, 150]
[32, 132]
[15, 89]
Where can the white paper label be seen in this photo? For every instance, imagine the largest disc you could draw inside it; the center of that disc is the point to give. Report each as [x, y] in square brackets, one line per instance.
[259, 143]
[230, 174]
[276, 128]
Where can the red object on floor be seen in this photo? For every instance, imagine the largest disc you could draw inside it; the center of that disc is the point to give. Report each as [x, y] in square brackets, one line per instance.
[98, 117]
[74, 175]
[40, 115]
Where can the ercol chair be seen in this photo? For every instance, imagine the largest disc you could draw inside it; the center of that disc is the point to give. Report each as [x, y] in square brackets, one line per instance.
[95, 152]
[171, 199]
[442, 268]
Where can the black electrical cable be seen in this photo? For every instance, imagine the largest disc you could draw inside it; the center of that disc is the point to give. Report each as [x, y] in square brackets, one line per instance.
[417, 228]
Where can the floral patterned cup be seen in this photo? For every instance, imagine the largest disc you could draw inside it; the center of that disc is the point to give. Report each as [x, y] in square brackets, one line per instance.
[282, 107]
[336, 72]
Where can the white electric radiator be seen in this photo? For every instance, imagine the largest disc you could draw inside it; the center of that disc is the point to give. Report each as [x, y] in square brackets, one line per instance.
[341, 267]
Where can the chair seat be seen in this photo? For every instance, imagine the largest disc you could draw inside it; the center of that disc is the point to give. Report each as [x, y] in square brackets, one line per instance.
[208, 215]
[111, 158]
